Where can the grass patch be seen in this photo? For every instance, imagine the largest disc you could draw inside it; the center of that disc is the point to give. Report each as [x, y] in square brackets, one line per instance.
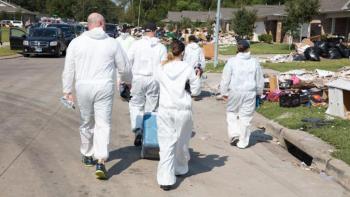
[5, 34]
[6, 51]
[336, 134]
[325, 64]
[258, 48]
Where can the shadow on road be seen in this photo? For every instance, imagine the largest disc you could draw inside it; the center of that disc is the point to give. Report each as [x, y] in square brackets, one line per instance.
[201, 163]
[258, 136]
[127, 155]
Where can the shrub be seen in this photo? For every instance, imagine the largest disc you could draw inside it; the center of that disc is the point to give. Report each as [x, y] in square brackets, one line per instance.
[265, 38]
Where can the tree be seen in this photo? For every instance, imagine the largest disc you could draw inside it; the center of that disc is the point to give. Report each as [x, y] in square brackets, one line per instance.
[243, 22]
[300, 12]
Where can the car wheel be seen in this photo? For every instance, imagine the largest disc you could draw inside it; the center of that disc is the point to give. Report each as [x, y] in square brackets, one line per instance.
[58, 54]
[25, 55]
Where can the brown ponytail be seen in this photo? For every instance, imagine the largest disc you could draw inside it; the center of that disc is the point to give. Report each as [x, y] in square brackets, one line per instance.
[177, 47]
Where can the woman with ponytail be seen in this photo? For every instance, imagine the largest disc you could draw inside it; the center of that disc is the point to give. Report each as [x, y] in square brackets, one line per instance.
[175, 115]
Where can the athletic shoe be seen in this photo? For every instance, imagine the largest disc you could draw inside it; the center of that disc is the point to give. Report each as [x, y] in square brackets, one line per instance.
[88, 161]
[138, 137]
[166, 187]
[101, 172]
[234, 141]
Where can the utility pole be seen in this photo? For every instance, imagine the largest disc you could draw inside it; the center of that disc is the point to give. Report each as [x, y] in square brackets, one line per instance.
[216, 36]
[138, 20]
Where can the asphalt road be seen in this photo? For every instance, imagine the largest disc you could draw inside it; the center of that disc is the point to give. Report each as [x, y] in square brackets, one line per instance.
[39, 149]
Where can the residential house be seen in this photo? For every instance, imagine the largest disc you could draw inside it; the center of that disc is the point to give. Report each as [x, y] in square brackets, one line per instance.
[13, 10]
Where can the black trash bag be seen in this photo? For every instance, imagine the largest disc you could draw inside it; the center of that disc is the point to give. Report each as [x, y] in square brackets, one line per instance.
[312, 54]
[334, 53]
[324, 48]
[344, 51]
[299, 57]
[124, 92]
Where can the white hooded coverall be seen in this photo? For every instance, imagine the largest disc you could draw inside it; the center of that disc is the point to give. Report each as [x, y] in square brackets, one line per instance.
[242, 80]
[92, 59]
[145, 55]
[194, 55]
[174, 119]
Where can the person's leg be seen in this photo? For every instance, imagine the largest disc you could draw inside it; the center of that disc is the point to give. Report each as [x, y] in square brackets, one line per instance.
[246, 113]
[85, 104]
[137, 103]
[232, 125]
[152, 96]
[103, 119]
[183, 125]
[232, 118]
[167, 139]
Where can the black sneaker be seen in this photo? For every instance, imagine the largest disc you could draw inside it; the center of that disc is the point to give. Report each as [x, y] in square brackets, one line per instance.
[88, 161]
[234, 141]
[138, 137]
[101, 172]
[166, 187]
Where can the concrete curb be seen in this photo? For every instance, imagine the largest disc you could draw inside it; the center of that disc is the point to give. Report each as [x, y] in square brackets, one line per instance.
[313, 146]
[11, 57]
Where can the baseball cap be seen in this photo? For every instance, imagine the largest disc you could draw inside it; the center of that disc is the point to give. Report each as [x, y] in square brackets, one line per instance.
[150, 27]
[244, 43]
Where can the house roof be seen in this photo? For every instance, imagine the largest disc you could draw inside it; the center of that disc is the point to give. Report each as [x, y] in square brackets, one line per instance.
[263, 11]
[12, 8]
[334, 5]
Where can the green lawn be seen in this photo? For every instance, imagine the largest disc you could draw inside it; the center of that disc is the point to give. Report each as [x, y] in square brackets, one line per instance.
[331, 65]
[325, 64]
[6, 51]
[258, 48]
[5, 34]
[336, 134]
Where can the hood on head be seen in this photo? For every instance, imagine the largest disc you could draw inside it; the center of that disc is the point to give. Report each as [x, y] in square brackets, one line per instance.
[96, 33]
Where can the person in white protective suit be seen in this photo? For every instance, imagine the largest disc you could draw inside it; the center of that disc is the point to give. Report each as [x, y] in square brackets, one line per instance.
[177, 81]
[194, 55]
[242, 81]
[92, 59]
[145, 55]
[125, 40]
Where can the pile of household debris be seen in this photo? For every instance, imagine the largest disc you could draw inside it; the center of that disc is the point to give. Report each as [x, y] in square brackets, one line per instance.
[318, 88]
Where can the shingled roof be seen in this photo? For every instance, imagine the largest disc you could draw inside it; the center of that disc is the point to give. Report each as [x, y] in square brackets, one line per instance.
[12, 8]
[334, 5]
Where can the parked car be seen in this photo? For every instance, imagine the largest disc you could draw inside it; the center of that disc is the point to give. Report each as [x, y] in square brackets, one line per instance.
[112, 30]
[18, 24]
[44, 41]
[68, 31]
[78, 29]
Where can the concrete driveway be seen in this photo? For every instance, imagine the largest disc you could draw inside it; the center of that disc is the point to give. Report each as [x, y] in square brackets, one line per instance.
[39, 149]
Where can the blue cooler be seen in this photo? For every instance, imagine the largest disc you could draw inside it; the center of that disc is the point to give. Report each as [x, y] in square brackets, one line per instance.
[150, 146]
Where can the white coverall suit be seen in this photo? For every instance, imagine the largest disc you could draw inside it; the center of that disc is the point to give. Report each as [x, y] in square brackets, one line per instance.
[145, 55]
[92, 59]
[242, 80]
[194, 56]
[174, 119]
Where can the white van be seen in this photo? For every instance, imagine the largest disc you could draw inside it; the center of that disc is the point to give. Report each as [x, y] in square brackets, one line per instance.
[18, 24]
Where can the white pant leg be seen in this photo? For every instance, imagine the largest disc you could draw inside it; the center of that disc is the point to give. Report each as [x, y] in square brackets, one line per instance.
[152, 96]
[103, 117]
[233, 125]
[183, 125]
[245, 114]
[87, 119]
[167, 138]
[137, 102]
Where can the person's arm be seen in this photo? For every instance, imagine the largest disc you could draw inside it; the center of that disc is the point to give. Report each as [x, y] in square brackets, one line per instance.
[195, 82]
[259, 78]
[202, 60]
[131, 53]
[123, 65]
[69, 71]
[226, 79]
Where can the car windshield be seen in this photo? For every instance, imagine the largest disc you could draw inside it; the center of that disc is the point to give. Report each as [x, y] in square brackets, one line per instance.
[43, 33]
[65, 29]
[110, 28]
